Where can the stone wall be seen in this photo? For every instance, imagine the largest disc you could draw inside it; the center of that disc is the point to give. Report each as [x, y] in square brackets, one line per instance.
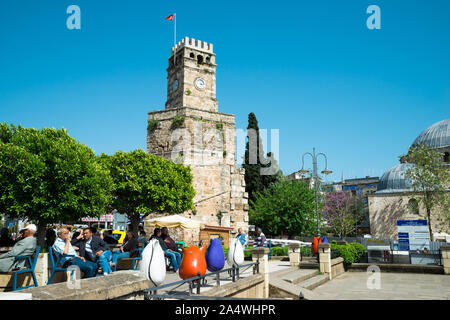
[249, 287]
[121, 285]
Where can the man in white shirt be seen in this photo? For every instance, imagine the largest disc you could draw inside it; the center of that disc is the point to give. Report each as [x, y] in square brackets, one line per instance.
[63, 247]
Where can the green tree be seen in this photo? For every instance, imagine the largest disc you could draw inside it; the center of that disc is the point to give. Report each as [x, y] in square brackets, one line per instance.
[430, 177]
[46, 176]
[145, 183]
[286, 208]
[258, 176]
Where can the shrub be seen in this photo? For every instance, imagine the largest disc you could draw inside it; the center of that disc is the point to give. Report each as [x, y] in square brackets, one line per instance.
[152, 125]
[177, 121]
[247, 253]
[279, 251]
[350, 252]
[306, 251]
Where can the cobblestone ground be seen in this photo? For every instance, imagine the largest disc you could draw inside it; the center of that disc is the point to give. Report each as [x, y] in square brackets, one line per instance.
[394, 286]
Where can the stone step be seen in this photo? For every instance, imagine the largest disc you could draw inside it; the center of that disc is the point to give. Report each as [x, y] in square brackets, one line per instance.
[309, 265]
[314, 282]
[301, 275]
[306, 259]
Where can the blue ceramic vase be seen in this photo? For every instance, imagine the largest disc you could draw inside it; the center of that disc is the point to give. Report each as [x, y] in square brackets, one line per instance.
[215, 257]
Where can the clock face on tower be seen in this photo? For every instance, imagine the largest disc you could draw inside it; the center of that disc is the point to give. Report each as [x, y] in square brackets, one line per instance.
[200, 83]
[175, 85]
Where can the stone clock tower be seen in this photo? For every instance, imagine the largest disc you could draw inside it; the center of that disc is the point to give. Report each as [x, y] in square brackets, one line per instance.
[192, 76]
[191, 131]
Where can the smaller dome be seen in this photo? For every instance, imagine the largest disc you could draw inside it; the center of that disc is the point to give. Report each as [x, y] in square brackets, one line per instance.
[394, 180]
[435, 136]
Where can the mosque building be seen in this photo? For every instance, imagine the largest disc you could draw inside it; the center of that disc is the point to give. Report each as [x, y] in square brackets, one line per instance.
[394, 199]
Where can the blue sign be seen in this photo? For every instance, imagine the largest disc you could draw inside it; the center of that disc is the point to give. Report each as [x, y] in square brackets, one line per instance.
[11, 224]
[411, 222]
[403, 235]
[403, 244]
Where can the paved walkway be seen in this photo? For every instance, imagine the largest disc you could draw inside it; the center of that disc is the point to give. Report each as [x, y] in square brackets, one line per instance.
[394, 286]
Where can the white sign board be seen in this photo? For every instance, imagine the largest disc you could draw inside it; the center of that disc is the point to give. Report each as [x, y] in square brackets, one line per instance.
[413, 234]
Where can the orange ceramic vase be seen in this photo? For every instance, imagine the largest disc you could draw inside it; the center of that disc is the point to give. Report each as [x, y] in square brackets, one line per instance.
[193, 262]
[315, 246]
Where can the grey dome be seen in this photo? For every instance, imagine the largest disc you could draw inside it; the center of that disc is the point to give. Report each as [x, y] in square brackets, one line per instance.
[436, 136]
[394, 180]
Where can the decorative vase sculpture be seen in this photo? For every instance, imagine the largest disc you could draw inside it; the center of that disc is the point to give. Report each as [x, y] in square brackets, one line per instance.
[215, 257]
[193, 262]
[235, 253]
[153, 264]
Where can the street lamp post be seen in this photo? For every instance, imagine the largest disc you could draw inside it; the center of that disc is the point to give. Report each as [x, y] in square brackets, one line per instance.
[315, 177]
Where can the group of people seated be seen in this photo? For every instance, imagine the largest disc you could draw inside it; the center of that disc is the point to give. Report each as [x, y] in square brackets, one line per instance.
[89, 251]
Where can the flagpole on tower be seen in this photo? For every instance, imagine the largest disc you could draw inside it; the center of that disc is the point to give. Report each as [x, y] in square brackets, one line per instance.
[174, 36]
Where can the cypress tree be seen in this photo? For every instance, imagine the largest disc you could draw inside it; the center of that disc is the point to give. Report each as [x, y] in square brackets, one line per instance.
[255, 182]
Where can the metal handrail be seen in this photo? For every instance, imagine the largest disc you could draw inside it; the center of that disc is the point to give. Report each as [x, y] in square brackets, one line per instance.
[234, 270]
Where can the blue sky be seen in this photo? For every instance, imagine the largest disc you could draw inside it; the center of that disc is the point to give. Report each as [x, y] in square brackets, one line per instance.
[311, 69]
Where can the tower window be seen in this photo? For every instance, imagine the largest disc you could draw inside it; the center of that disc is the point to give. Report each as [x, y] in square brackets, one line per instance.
[199, 59]
[192, 55]
[208, 59]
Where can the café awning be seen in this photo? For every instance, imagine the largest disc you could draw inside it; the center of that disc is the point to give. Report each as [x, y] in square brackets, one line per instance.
[174, 221]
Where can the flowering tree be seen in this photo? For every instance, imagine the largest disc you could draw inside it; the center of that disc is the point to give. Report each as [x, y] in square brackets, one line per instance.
[338, 212]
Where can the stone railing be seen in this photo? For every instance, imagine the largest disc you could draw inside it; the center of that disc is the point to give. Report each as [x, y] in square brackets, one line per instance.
[262, 255]
[295, 255]
[332, 267]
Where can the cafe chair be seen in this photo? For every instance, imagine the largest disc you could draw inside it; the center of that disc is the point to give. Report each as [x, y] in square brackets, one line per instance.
[31, 265]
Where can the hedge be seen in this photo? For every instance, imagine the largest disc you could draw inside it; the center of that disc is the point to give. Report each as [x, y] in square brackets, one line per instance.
[350, 252]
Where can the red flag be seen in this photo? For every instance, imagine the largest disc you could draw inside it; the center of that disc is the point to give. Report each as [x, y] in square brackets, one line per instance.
[170, 17]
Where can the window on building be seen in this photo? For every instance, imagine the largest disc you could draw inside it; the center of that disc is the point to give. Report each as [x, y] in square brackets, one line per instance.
[192, 55]
[199, 59]
[413, 206]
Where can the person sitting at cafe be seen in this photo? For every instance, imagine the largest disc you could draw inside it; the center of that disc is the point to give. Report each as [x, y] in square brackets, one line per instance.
[77, 237]
[127, 250]
[105, 235]
[5, 240]
[50, 237]
[260, 239]
[175, 257]
[170, 243]
[62, 247]
[94, 249]
[142, 238]
[25, 247]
